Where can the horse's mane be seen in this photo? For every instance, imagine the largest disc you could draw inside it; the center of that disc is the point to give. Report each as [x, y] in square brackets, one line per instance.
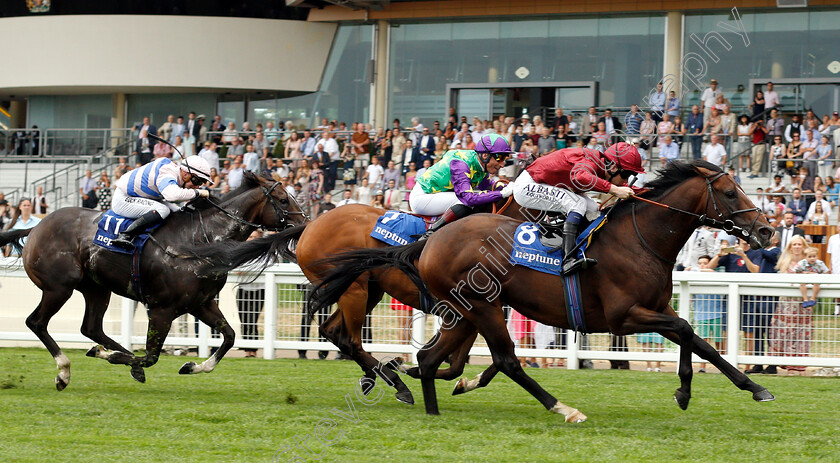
[673, 174]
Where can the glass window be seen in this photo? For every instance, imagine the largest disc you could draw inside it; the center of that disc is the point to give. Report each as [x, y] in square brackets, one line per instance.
[427, 57]
[159, 106]
[786, 44]
[344, 93]
[70, 111]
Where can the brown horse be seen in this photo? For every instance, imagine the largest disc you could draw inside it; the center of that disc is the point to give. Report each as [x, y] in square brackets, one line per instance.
[340, 230]
[627, 292]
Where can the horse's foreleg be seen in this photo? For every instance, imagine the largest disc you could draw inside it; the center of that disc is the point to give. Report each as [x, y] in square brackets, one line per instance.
[51, 302]
[353, 306]
[212, 317]
[738, 378]
[160, 320]
[669, 325]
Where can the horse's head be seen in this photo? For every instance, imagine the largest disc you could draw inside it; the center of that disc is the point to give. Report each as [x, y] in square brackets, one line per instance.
[263, 203]
[728, 207]
[280, 210]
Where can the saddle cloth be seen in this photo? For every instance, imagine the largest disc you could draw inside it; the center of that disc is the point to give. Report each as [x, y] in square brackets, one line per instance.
[111, 224]
[529, 251]
[396, 228]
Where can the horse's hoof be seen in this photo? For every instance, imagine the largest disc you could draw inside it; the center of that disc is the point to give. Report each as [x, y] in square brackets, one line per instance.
[138, 374]
[405, 397]
[413, 372]
[187, 368]
[433, 411]
[763, 396]
[575, 417]
[460, 387]
[60, 384]
[93, 351]
[682, 399]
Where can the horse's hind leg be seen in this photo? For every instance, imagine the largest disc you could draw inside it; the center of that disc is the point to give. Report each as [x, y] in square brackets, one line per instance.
[212, 317]
[492, 326]
[430, 357]
[51, 302]
[96, 304]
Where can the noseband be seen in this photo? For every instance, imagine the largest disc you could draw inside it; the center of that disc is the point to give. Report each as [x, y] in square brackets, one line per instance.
[721, 222]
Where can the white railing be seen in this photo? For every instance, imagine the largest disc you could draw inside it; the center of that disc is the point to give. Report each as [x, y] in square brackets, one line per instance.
[280, 329]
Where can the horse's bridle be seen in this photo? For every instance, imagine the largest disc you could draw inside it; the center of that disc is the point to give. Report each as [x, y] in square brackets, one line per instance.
[721, 222]
[281, 212]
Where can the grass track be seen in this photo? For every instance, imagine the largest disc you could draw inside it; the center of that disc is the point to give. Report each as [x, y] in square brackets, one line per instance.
[249, 408]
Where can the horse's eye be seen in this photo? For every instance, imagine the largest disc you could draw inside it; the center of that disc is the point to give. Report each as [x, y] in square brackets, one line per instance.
[730, 194]
[284, 201]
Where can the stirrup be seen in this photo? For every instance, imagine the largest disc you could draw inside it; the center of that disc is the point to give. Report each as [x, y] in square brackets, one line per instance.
[573, 265]
[123, 242]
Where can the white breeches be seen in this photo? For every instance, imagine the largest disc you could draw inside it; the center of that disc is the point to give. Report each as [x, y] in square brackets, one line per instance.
[540, 196]
[135, 206]
[431, 203]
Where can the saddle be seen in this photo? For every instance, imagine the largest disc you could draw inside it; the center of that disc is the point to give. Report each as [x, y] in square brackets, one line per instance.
[110, 224]
[427, 219]
[551, 230]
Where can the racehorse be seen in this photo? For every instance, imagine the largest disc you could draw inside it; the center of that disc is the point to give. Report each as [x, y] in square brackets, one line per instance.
[60, 257]
[629, 291]
[339, 230]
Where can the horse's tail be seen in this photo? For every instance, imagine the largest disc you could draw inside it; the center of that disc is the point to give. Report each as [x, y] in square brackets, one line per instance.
[14, 238]
[261, 252]
[349, 266]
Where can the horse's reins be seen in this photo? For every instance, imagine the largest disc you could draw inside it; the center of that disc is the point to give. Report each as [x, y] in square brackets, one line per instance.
[727, 225]
[281, 212]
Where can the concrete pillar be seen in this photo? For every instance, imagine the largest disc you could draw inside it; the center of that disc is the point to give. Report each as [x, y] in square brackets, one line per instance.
[672, 75]
[777, 71]
[117, 118]
[17, 111]
[380, 80]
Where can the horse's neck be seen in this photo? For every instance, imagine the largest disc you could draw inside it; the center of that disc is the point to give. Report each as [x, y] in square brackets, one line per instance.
[664, 230]
[214, 224]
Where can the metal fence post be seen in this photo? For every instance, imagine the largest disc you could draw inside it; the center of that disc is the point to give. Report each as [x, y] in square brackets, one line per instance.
[733, 320]
[270, 321]
[127, 322]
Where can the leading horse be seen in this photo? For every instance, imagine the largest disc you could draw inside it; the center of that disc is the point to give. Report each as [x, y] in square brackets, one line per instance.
[629, 291]
[60, 257]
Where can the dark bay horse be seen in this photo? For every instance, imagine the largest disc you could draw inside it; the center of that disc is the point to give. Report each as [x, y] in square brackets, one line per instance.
[629, 291]
[60, 257]
[347, 228]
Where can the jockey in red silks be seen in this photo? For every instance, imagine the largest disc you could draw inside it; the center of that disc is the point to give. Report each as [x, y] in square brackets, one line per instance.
[558, 182]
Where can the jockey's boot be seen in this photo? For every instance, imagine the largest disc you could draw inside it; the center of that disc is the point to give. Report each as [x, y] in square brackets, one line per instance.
[572, 263]
[452, 214]
[123, 240]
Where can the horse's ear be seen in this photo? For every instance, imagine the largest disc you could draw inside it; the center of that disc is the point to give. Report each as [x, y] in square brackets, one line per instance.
[251, 178]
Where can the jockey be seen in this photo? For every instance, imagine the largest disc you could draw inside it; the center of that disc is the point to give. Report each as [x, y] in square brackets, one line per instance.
[147, 193]
[558, 182]
[460, 181]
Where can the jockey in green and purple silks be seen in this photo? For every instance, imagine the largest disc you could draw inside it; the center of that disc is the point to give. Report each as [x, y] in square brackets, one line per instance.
[460, 181]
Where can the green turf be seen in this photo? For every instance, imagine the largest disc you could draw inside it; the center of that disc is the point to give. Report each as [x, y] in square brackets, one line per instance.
[249, 408]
